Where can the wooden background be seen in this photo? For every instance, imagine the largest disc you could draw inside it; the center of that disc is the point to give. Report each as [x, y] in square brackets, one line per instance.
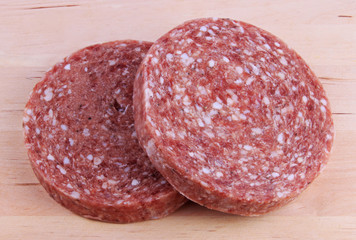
[36, 34]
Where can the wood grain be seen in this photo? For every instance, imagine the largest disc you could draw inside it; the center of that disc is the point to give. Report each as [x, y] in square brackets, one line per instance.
[37, 34]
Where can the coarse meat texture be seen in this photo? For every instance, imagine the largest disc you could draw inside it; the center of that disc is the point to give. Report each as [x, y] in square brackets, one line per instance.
[231, 116]
[82, 145]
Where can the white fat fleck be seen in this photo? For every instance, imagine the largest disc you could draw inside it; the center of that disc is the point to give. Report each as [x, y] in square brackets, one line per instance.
[104, 185]
[283, 61]
[213, 112]
[154, 60]
[148, 92]
[101, 177]
[219, 174]
[64, 127]
[67, 67]
[280, 138]
[229, 101]
[157, 133]
[161, 80]
[179, 52]
[208, 38]
[291, 177]
[200, 109]
[226, 59]
[191, 154]
[203, 29]
[280, 51]
[169, 57]
[97, 161]
[29, 111]
[323, 101]
[112, 62]
[206, 170]
[247, 52]
[200, 123]
[277, 44]
[209, 133]
[119, 201]
[138, 49]
[323, 109]
[38, 131]
[217, 105]
[279, 194]
[243, 116]
[211, 32]
[66, 160]
[238, 81]
[255, 69]
[186, 101]
[253, 177]
[48, 94]
[305, 99]
[85, 69]
[267, 46]
[207, 119]
[281, 75]
[90, 157]
[75, 195]
[61, 169]
[256, 130]
[211, 63]
[202, 90]
[300, 160]
[26, 119]
[150, 148]
[71, 141]
[186, 59]
[134, 182]
[274, 174]
[248, 147]
[266, 100]
[245, 169]
[127, 169]
[50, 113]
[242, 29]
[50, 157]
[239, 70]
[69, 186]
[249, 81]
[86, 132]
[199, 60]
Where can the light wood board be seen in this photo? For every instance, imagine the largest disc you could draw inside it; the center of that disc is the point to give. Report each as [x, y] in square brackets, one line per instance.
[36, 34]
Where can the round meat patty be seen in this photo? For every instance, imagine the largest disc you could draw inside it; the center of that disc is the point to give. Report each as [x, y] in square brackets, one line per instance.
[79, 131]
[231, 116]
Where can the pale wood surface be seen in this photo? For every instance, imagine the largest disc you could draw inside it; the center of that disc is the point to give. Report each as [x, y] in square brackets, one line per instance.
[34, 35]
